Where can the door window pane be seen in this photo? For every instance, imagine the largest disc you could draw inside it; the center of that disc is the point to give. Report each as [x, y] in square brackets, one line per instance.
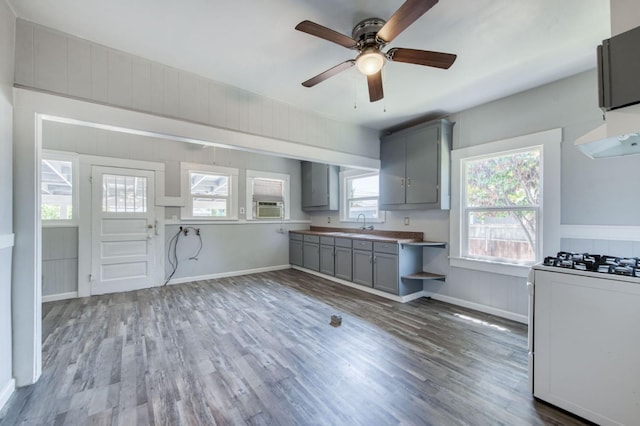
[124, 194]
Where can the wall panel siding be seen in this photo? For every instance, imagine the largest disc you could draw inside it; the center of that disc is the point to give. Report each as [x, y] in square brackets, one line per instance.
[50, 60]
[98, 73]
[57, 62]
[79, 68]
[141, 84]
[119, 78]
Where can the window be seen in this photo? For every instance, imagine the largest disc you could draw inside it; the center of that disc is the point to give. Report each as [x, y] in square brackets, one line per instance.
[210, 192]
[360, 195]
[501, 203]
[267, 195]
[58, 187]
[505, 209]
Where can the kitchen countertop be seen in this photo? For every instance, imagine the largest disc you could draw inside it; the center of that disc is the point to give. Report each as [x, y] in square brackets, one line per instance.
[364, 234]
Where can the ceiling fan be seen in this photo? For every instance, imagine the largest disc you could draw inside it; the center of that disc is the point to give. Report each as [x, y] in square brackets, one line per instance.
[369, 37]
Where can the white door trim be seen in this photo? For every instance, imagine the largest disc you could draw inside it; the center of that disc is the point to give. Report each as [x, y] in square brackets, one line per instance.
[84, 228]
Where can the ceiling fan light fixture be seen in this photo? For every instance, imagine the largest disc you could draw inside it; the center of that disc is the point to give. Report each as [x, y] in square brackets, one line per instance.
[370, 61]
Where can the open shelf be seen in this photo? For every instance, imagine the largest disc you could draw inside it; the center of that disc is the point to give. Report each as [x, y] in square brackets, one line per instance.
[425, 276]
[427, 244]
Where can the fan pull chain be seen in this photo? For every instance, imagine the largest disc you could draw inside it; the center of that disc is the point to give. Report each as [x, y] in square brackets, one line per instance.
[384, 100]
[355, 91]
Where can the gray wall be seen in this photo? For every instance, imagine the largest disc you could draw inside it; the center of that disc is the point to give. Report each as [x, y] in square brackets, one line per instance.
[7, 25]
[593, 192]
[60, 63]
[227, 248]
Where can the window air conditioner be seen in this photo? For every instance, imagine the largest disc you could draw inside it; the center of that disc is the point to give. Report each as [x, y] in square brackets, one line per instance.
[269, 210]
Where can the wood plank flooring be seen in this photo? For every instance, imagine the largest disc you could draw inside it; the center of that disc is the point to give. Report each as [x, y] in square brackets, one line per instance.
[258, 349]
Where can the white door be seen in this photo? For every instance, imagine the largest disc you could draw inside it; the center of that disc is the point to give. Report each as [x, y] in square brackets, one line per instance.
[123, 230]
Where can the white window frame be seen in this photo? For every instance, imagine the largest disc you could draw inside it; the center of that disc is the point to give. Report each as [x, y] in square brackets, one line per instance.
[75, 188]
[549, 208]
[345, 175]
[186, 212]
[286, 186]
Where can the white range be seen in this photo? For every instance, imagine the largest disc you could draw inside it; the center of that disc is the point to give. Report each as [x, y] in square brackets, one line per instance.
[584, 343]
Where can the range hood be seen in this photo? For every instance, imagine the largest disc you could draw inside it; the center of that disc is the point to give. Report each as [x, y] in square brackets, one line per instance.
[620, 135]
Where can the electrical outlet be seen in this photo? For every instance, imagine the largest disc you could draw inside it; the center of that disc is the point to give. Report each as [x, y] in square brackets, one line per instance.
[241, 210]
[328, 219]
[406, 221]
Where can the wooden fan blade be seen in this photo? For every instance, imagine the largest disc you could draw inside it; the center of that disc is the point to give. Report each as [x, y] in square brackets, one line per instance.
[421, 57]
[404, 16]
[326, 33]
[329, 73]
[375, 86]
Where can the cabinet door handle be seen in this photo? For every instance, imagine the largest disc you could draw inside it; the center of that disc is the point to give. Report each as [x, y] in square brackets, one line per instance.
[374, 259]
[408, 182]
[402, 183]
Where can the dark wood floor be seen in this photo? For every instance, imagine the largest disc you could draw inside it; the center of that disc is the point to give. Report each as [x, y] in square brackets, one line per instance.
[258, 349]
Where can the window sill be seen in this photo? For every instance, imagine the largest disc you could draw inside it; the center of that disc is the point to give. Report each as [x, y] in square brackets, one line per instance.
[491, 267]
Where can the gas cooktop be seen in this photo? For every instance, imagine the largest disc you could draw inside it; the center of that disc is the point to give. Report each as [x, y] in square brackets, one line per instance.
[628, 266]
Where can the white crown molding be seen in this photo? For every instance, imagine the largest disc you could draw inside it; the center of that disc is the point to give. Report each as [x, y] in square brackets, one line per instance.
[601, 232]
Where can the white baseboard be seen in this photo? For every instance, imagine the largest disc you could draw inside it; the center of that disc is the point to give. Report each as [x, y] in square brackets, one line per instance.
[59, 296]
[6, 392]
[404, 299]
[227, 274]
[401, 299]
[479, 307]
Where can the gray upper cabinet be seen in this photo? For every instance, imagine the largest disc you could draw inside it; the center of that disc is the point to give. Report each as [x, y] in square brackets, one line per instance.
[415, 166]
[320, 187]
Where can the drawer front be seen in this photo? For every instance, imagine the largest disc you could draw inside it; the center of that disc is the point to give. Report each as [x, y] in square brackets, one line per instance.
[391, 248]
[311, 238]
[362, 245]
[326, 241]
[294, 236]
[343, 242]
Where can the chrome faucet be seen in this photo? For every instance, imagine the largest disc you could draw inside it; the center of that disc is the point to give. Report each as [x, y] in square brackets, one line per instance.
[364, 222]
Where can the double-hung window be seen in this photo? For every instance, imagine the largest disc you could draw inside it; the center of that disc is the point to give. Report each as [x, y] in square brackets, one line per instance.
[360, 193]
[501, 205]
[505, 211]
[210, 192]
[267, 195]
[58, 188]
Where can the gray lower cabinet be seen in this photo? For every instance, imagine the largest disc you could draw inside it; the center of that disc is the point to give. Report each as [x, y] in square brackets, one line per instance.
[362, 272]
[327, 255]
[363, 262]
[343, 259]
[385, 272]
[311, 252]
[295, 249]
[386, 266]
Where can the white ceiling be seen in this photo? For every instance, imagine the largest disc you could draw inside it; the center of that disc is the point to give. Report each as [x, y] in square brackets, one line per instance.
[503, 47]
